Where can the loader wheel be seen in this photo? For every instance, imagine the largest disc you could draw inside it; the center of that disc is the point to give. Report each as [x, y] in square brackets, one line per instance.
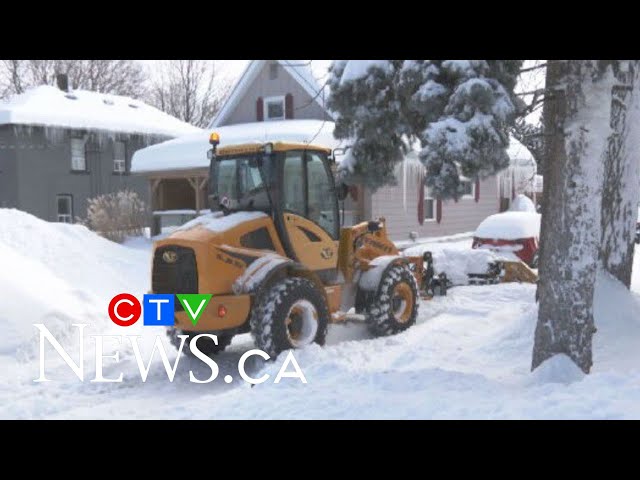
[291, 314]
[395, 306]
[205, 345]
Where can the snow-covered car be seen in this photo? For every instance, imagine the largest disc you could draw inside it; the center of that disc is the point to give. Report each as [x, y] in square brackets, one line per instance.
[515, 232]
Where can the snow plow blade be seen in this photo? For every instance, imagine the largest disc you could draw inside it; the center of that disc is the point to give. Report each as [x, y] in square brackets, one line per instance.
[518, 272]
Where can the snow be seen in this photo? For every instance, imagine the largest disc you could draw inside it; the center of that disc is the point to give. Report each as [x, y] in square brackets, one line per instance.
[522, 203]
[370, 279]
[509, 226]
[468, 356]
[217, 222]
[190, 151]
[257, 272]
[457, 259]
[357, 69]
[49, 106]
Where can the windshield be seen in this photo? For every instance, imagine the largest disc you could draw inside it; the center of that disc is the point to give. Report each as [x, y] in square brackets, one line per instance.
[237, 183]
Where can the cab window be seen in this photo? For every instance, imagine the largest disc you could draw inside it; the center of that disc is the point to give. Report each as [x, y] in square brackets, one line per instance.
[293, 183]
[321, 197]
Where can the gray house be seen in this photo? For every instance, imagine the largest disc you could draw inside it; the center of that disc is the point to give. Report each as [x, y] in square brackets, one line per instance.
[58, 148]
[281, 100]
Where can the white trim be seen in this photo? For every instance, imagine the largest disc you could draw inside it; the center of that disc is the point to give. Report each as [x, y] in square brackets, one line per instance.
[120, 164]
[301, 74]
[265, 107]
[64, 217]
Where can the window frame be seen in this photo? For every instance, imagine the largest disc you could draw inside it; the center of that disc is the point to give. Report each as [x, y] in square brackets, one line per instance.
[429, 196]
[274, 99]
[471, 195]
[116, 161]
[69, 197]
[84, 154]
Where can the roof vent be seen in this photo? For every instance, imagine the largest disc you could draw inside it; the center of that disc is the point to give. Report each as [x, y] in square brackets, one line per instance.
[108, 101]
[71, 96]
[132, 105]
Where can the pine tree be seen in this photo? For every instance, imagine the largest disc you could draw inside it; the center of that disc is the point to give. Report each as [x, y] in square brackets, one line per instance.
[458, 110]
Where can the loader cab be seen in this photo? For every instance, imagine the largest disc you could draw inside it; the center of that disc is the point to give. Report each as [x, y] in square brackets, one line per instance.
[292, 183]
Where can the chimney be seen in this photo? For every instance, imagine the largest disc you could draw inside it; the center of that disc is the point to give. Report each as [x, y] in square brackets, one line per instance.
[63, 81]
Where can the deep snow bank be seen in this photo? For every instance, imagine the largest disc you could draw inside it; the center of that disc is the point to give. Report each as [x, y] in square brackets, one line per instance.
[59, 274]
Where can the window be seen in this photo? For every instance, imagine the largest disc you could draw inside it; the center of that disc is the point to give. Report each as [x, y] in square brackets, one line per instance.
[119, 158]
[274, 108]
[78, 162]
[321, 196]
[468, 188]
[293, 184]
[429, 205]
[273, 71]
[65, 208]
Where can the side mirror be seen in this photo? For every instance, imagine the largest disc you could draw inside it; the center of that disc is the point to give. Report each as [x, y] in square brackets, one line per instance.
[342, 191]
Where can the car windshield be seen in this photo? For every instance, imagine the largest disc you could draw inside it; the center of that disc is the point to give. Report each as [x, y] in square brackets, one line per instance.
[237, 183]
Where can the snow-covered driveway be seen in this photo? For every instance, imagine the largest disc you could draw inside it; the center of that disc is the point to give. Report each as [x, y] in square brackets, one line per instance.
[468, 356]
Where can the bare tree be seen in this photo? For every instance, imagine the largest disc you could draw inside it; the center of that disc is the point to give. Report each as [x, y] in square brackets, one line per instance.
[582, 141]
[122, 77]
[190, 90]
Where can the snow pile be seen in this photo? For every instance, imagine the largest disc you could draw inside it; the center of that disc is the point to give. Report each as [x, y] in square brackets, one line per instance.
[509, 226]
[59, 274]
[217, 222]
[457, 259]
[522, 203]
[49, 106]
[190, 151]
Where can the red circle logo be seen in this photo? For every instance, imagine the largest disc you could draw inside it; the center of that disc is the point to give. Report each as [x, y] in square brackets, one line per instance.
[124, 309]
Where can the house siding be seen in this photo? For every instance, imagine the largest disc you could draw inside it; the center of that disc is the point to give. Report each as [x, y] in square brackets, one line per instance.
[457, 217]
[263, 86]
[43, 168]
[8, 169]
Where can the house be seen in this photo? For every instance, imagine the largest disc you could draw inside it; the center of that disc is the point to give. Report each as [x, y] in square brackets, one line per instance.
[58, 148]
[281, 100]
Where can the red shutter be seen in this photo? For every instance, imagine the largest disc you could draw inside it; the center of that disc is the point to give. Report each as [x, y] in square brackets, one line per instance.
[439, 210]
[477, 190]
[288, 106]
[421, 202]
[259, 110]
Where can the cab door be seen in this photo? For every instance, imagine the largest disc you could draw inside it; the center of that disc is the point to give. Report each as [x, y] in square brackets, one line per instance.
[310, 211]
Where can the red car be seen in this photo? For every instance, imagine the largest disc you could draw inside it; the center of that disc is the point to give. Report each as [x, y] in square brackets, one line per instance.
[517, 233]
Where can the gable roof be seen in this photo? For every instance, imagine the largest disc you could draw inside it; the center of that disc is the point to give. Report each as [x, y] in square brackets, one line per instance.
[299, 70]
[49, 106]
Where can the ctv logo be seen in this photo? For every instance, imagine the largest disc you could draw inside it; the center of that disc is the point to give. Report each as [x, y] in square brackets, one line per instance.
[159, 309]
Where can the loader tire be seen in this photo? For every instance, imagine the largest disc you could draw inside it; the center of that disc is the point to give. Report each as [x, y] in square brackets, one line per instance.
[394, 308]
[206, 345]
[290, 314]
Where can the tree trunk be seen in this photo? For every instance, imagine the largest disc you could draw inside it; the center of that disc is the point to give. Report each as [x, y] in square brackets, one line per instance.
[576, 117]
[621, 185]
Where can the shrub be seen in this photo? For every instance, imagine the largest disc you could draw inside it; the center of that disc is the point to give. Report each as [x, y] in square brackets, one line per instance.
[117, 215]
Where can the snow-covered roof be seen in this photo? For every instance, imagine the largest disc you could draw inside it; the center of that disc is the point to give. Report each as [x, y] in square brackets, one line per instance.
[509, 226]
[49, 106]
[300, 70]
[190, 151]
